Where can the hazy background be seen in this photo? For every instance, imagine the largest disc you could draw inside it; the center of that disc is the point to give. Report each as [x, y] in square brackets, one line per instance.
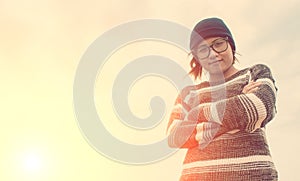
[41, 43]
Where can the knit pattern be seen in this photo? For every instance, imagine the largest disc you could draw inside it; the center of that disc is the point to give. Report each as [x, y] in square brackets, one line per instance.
[224, 129]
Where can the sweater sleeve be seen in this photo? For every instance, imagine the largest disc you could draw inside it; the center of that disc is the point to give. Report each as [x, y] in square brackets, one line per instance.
[181, 133]
[247, 111]
[254, 110]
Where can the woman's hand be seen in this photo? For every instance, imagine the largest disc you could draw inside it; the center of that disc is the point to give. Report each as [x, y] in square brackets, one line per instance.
[251, 87]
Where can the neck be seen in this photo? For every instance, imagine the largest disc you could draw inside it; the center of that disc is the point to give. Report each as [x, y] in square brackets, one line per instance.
[223, 75]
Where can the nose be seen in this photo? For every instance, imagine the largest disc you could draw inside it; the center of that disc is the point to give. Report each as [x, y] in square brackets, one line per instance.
[212, 53]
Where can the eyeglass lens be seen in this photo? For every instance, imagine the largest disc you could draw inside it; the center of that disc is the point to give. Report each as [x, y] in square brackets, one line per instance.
[219, 45]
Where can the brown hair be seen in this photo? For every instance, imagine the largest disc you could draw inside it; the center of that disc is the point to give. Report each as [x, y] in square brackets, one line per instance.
[196, 68]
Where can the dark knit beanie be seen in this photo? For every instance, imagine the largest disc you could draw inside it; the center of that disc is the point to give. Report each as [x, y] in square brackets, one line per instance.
[210, 27]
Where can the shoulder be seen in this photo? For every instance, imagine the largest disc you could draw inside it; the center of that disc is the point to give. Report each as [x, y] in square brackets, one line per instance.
[259, 67]
[188, 89]
[260, 71]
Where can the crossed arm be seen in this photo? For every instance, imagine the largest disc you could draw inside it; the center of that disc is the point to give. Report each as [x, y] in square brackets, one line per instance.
[248, 111]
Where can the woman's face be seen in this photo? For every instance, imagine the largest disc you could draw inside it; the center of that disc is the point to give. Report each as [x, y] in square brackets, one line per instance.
[216, 63]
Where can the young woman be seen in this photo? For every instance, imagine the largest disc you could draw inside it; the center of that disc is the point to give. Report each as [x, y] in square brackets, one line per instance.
[222, 121]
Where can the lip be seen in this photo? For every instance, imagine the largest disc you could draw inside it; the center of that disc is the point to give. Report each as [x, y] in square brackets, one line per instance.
[215, 61]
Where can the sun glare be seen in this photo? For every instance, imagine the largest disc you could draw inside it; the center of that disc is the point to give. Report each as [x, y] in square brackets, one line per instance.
[32, 163]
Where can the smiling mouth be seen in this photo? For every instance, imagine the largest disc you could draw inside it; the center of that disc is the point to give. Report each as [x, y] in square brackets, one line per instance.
[215, 61]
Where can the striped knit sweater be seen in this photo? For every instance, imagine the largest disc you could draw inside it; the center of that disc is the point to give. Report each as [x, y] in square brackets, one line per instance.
[224, 129]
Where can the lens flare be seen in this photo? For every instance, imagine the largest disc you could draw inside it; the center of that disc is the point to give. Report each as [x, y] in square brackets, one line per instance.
[32, 163]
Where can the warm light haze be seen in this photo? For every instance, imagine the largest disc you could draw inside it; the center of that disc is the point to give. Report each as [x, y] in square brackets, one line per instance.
[41, 45]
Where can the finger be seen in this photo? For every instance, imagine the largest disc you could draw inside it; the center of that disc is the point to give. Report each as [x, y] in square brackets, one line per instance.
[252, 90]
[253, 82]
[252, 85]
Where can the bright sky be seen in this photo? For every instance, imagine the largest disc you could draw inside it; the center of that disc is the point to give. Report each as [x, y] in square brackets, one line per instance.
[42, 42]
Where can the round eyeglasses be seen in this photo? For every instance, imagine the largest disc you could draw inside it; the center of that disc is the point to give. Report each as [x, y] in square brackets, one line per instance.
[219, 45]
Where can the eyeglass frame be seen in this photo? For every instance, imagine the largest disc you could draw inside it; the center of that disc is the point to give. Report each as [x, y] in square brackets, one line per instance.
[212, 47]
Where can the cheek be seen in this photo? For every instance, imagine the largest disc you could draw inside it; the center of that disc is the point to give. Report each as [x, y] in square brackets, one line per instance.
[228, 55]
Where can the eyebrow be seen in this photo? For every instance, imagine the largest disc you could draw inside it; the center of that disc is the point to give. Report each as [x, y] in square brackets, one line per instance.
[208, 45]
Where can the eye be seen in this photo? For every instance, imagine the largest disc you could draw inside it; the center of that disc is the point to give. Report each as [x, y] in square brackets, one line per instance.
[219, 43]
[203, 49]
